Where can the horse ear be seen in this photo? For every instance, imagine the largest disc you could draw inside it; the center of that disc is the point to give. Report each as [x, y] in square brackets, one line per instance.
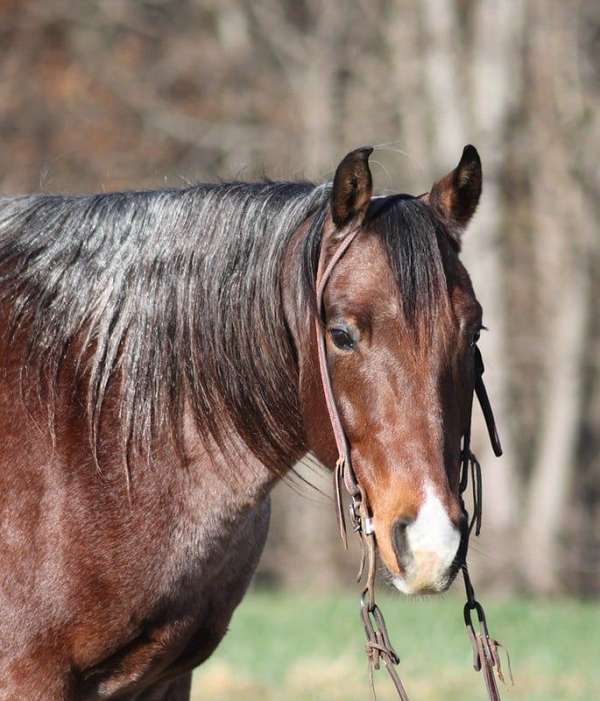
[456, 196]
[352, 187]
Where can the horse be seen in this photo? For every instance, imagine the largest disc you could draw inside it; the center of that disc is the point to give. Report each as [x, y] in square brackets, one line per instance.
[160, 373]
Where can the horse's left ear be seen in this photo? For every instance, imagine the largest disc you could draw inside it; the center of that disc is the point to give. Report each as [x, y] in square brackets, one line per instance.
[456, 196]
[352, 187]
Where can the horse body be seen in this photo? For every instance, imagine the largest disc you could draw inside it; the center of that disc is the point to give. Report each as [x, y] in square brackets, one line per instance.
[158, 374]
[104, 593]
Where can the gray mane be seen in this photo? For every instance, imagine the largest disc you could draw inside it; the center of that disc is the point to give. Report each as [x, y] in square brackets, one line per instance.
[174, 294]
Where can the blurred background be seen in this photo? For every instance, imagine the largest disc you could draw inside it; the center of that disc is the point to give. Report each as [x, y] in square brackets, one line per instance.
[116, 94]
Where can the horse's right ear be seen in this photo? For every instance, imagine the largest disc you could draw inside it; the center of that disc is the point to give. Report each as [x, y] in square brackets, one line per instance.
[352, 187]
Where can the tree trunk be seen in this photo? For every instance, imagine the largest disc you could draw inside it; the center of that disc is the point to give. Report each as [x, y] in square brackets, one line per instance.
[564, 224]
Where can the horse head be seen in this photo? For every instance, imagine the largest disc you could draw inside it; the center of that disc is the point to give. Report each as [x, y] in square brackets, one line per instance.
[400, 322]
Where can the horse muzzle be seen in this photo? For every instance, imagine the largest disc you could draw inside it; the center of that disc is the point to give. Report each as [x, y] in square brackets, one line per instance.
[428, 548]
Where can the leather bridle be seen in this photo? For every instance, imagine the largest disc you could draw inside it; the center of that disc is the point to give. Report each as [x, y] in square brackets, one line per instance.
[378, 647]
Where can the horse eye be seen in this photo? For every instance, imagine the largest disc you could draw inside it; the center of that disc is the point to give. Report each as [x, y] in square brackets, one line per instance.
[341, 338]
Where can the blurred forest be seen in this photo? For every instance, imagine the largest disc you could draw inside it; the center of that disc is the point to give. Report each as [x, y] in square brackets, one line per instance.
[117, 94]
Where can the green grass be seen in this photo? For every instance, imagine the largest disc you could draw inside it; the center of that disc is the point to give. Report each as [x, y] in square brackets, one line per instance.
[284, 647]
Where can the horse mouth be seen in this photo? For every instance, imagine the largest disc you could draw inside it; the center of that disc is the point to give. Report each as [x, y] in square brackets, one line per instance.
[427, 572]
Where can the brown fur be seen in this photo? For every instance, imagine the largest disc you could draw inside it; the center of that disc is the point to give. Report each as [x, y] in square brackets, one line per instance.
[112, 593]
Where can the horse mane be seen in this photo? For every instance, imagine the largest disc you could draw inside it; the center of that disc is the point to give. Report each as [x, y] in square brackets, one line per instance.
[177, 294]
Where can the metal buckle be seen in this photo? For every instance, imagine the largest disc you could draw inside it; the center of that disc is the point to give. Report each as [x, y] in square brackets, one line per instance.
[354, 508]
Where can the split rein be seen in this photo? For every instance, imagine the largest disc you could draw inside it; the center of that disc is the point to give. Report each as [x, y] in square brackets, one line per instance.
[379, 647]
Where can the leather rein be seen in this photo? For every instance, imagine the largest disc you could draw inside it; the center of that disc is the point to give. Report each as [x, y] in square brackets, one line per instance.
[378, 646]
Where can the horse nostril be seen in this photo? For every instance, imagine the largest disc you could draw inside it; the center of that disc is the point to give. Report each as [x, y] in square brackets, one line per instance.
[400, 540]
[403, 523]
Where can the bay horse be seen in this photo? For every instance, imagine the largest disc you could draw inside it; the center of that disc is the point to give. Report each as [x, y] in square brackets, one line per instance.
[159, 374]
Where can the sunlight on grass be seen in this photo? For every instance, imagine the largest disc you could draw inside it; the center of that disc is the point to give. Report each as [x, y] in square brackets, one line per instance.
[285, 647]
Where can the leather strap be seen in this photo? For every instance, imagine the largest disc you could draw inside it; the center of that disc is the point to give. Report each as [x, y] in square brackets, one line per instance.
[484, 402]
[323, 273]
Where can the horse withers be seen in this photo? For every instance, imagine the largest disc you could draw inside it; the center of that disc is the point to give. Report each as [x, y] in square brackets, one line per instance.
[159, 374]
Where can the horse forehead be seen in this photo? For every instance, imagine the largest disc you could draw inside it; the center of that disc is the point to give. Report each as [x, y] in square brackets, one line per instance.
[363, 283]
[363, 275]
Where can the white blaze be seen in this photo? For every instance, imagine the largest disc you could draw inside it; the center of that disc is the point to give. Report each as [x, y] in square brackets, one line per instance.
[433, 542]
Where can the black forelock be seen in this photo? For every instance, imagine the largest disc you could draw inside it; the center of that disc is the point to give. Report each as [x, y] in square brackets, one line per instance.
[412, 236]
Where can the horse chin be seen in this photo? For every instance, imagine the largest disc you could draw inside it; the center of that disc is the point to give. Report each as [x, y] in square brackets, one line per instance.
[416, 587]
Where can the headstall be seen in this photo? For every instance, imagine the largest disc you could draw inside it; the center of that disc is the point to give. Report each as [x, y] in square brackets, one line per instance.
[378, 646]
